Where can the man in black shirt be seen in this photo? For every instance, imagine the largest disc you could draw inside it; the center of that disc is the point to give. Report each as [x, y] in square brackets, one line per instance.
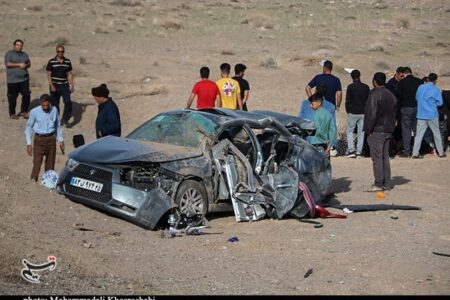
[392, 85]
[355, 102]
[407, 88]
[239, 70]
[60, 80]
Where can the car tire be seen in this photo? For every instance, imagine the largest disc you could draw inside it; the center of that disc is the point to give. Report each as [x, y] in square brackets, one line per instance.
[191, 198]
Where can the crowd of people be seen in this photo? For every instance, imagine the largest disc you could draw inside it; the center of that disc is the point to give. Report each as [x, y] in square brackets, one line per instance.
[43, 121]
[392, 118]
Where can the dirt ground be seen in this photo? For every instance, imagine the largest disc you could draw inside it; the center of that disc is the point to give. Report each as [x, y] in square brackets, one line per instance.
[148, 53]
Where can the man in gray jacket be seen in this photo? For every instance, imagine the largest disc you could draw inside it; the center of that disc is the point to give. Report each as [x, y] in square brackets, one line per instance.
[379, 124]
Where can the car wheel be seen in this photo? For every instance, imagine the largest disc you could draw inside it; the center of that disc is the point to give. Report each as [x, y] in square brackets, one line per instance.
[191, 198]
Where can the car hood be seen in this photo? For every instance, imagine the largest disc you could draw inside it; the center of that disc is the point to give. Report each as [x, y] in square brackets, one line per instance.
[111, 150]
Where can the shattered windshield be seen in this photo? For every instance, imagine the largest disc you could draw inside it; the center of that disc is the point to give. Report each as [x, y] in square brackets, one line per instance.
[183, 129]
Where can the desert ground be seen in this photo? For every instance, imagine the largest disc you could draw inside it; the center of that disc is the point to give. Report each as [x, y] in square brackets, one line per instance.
[148, 53]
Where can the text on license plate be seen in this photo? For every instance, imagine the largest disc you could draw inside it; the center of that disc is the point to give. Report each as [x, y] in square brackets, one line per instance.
[86, 184]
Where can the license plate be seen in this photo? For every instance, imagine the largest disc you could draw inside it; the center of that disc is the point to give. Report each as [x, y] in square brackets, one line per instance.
[86, 184]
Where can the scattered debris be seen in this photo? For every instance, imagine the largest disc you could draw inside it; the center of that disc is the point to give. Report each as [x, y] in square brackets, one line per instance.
[233, 239]
[308, 273]
[374, 207]
[347, 211]
[87, 244]
[316, 224]
[441, 254]
[394, 217]
[380, 195]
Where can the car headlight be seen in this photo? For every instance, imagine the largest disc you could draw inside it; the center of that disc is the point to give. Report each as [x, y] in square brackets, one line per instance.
[71, 164]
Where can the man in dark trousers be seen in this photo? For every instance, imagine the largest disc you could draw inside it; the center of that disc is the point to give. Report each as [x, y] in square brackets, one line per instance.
[239, 71]
[355, 103]
[60, 80]
[108, 117]
[396, 140]
[379, 123]
[17, 79]
[407, 88]
[44, 122]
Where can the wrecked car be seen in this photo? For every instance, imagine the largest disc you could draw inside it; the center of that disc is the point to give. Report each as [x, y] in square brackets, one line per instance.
[186, 160]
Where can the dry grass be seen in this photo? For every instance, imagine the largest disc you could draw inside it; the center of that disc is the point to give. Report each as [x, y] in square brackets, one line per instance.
[35, 8]
[129, 3]
[260, 21]
[168, 23]
[227, 52]
[269, 62]
[134, 90]
[58, 41]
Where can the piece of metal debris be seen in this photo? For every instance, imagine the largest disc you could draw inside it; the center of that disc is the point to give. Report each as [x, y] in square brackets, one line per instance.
[441, 254]
[308, 273]
[233, 239]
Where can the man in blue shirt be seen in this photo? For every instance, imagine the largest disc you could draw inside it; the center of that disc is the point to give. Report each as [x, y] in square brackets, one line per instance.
[44, 122]
[334, 89]
[428, 97]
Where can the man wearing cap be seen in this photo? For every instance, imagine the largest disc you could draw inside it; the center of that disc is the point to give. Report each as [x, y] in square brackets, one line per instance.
[239, 71]
[44, 122]
[108, 117]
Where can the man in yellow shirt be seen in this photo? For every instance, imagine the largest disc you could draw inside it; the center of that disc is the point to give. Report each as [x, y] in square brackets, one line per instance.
[230, 92]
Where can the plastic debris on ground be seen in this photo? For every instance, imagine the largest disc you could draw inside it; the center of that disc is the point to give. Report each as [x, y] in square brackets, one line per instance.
[233, 239]
[49, 179]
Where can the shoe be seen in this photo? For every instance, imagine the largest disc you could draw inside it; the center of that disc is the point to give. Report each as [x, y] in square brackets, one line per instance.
[442, 156]
[404, 154]
[374, 188]
[14, 117]
[25, 115]
[351, 155]
[387, 187]
[333, 152]
[63, 122]
[359, 156]
[417, 157]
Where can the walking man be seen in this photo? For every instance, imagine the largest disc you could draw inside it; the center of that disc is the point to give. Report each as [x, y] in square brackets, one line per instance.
[230, 92]
[407, 88]
[429, 97]
[239, 71]
[379, 123]
[108, 117]
[17, 79]
[355, 103]
[44, 122]
[60, 80]
[205, 90]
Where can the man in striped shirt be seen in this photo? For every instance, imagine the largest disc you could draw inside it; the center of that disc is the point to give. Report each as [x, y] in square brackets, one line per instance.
[60, 80]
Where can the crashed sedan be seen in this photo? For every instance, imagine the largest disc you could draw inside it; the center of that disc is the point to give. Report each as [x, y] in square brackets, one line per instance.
[186, 160]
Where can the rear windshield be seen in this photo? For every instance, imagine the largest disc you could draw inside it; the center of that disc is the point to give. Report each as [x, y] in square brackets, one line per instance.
[186, 129]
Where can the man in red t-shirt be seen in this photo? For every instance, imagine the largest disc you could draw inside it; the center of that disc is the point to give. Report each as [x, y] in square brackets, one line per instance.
[206, 91]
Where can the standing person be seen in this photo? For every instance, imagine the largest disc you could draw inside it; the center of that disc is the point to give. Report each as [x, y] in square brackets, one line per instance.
[44, 122]
[429, 97]
[324, 123]
[355, 103]
[379, 123]
[17, 79]
[108, 117]
[230, 92]
[239, 71]
[392, 85]
[407, 88]
[334, 88]
[333, 91]
[60, 80]
[205, 90]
